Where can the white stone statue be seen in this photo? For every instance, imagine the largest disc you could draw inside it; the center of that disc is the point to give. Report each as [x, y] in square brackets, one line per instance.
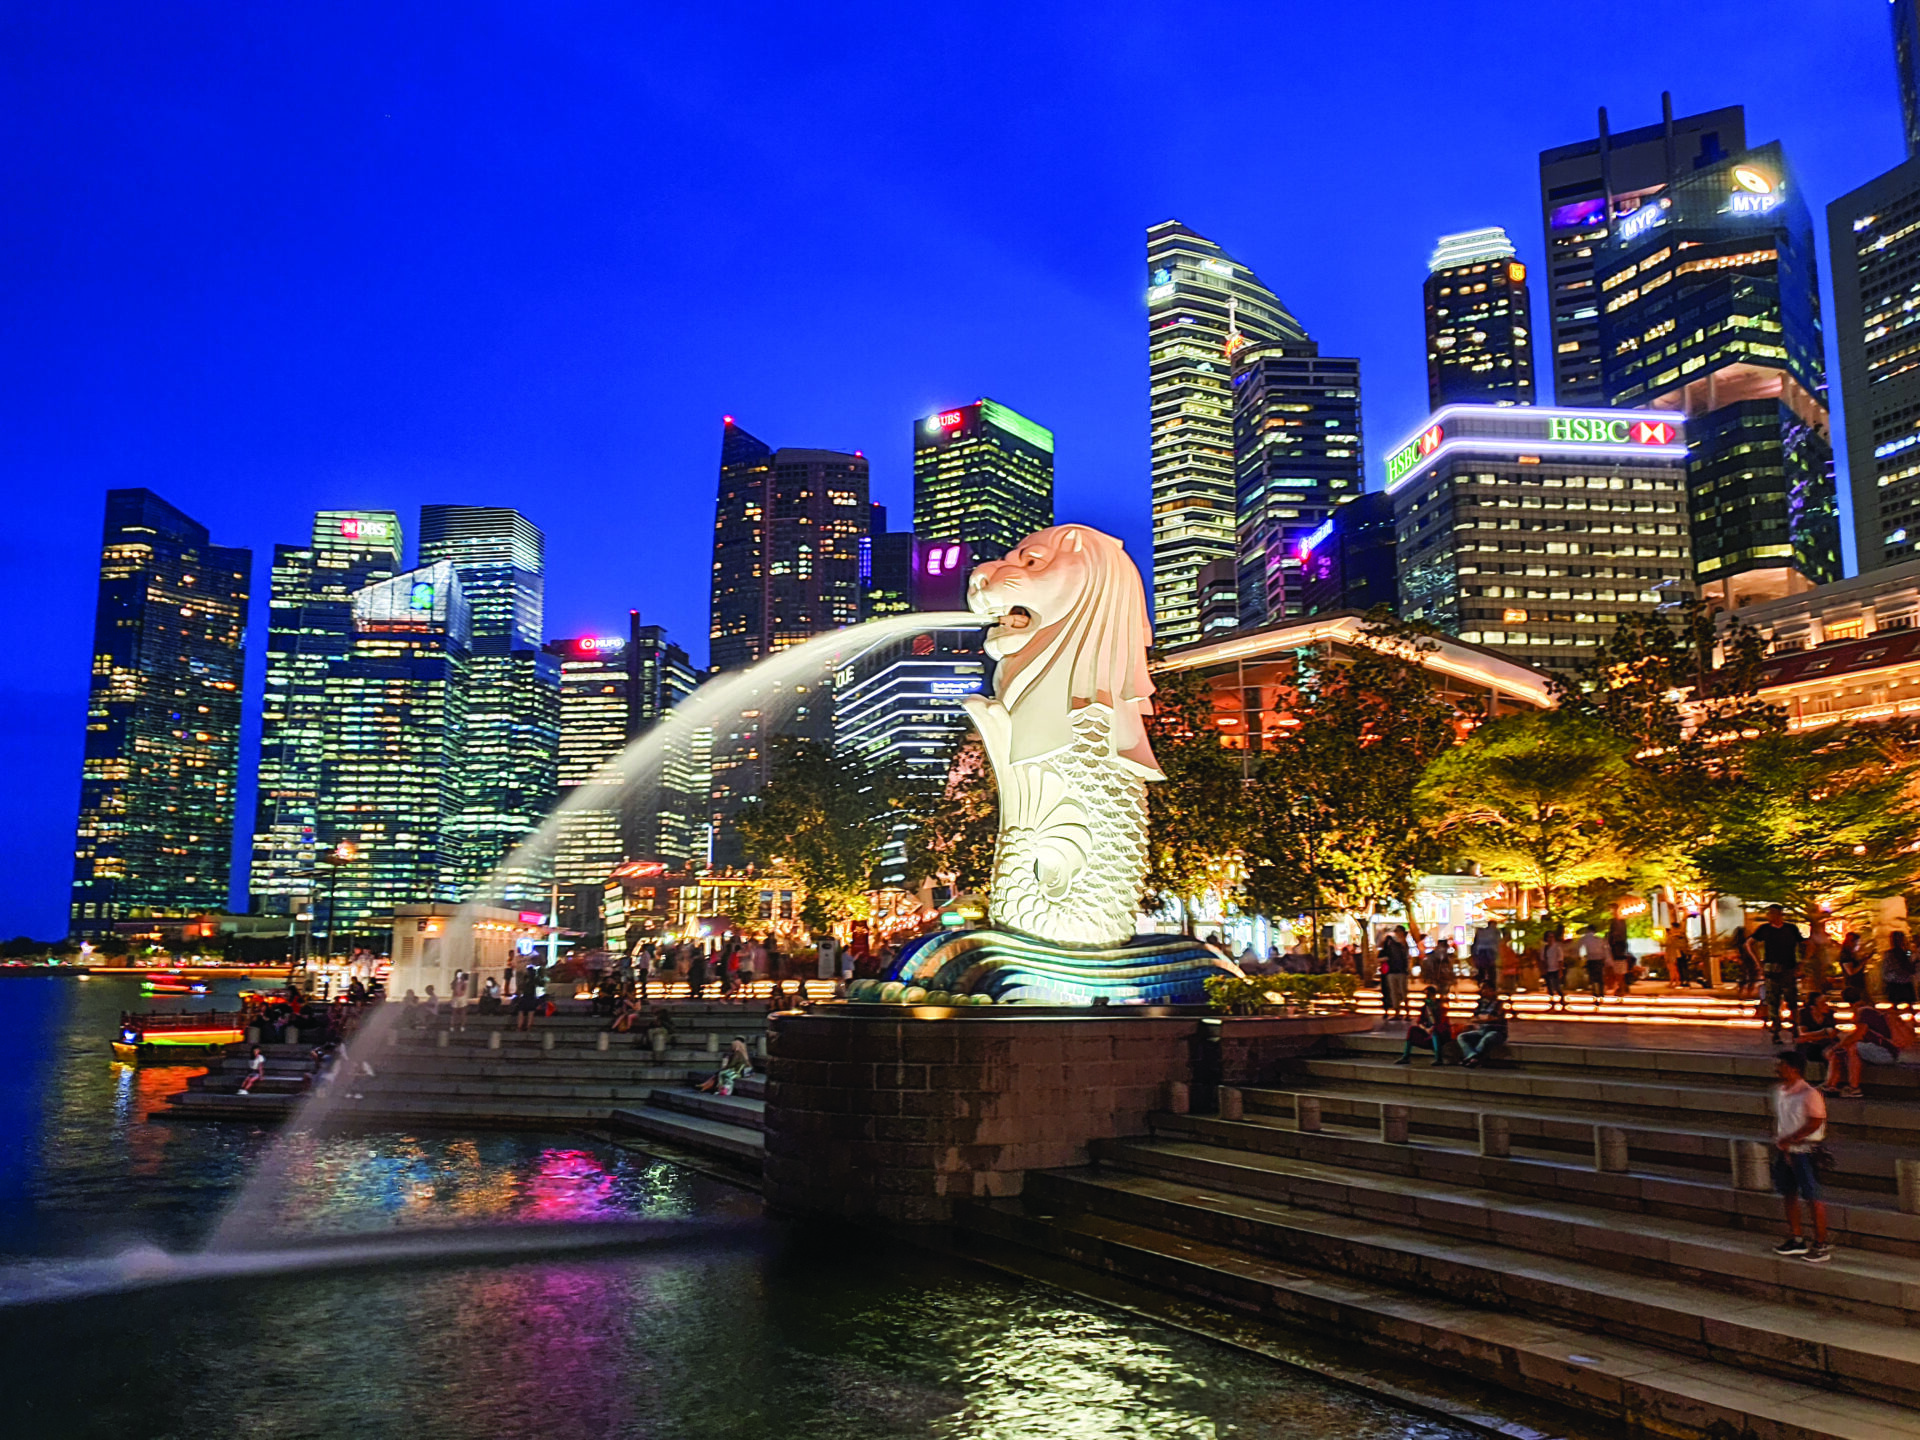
[1065, 731]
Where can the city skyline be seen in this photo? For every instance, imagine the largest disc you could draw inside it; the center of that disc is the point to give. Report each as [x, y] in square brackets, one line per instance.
[1069, 353]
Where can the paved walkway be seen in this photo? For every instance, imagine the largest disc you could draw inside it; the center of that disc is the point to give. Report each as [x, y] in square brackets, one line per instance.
[1627, 1035]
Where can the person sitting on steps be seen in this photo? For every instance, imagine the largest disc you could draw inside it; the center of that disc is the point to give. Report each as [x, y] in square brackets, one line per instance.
[1877, 1038]
[1489, 1026]
[1431, 1027]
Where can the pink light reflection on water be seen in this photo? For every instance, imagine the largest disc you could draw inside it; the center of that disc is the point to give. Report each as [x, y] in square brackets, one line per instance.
[571, 1185]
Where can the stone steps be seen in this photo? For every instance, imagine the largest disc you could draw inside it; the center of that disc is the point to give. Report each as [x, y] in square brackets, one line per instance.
[1878, 1287]
[693, 1132]
[1701, 1149]
[1642, 1388]
[1865, 1222]
[740, 1110]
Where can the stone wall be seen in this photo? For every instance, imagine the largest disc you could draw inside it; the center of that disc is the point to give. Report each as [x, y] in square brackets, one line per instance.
[876, 1113]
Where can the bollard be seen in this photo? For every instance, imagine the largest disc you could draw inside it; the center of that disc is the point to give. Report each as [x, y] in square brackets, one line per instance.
[1232, 1104]
[600, 1040]
[1752, 1165]
[1609, 1148]
[253, 1035]
[293, 1035]
[440, 1041]
[713, 1042]
[1393, 1124]
[1907, 1173]
[1178, 1097]
[546, 1039]
[760, 1046]
[658, 1038]
[1306, 1113]
[1496, 1136]
[393, 1038]
[493, 1040]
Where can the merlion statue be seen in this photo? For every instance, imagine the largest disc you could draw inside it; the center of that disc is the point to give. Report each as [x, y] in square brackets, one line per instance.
[1065, 731]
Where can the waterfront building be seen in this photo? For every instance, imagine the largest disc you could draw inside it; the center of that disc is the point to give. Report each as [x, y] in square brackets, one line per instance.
[1479, 322]
[1582, 187]
[786, 566]
[432, 943]
[158, 774]
[898, 707]
[1535, 530]
[1203, 308]
[1297, 455]
[513, 721]
[392, 798]
[1710, 310]
[982, 476]
[886, 567]
[1348, 563]
[309, 627]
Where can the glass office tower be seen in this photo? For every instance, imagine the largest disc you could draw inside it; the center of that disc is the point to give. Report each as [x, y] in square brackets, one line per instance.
[982, 476]
[1582, 187]
[1537, 530]
[1297, 454]
[309, 626]
[155, 832]
[1479, 322]
[392, 783]
[1710, 309]
[1203, 308]
[513, 720]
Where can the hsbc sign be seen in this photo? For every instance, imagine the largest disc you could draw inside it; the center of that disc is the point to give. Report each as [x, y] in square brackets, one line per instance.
[1592, 430]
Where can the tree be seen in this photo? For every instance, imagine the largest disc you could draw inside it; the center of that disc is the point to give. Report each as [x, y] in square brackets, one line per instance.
[825, 816]
[1195, 817]
[959, 826]
[1545, 800]
[1333, 823]
[1815, 821]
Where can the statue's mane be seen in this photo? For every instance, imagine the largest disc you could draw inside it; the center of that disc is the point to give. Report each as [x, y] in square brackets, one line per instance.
[1095, 654]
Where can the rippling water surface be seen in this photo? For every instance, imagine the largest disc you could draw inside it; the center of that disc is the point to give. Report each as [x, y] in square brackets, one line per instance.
[780, 1333]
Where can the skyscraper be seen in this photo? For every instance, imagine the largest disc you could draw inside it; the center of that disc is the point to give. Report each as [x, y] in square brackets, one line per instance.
[1349, 561]
[1297, 454]
[1576, 184]
[309, 626]
[1710, 308]
[596, 714]
[982, 476]
[1203, 308]
[392, 783]
[886, 567]
[666, 813]
[513, 715]
[786, 567]
[1873, 236]
[1537, 530]
[1479, 322]
[155, 833]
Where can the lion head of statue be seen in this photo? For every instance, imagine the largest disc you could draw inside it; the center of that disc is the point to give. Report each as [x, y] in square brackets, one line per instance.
[1070, 630]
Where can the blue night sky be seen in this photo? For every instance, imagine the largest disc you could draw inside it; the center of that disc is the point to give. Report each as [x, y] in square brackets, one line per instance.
[268, 259]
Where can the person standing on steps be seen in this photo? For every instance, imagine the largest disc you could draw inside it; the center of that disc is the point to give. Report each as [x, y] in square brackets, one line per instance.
[1486, 953]
[1897, 971]
[462, 982]
[1853, 971]
[1799, 1125]
[1553, 968]
[1779, 947]
[1619, 962]
[1395, 961]
[696, 971]
[1593, 954]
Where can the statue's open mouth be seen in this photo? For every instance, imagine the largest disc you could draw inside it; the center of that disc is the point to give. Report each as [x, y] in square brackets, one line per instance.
[1017, 618]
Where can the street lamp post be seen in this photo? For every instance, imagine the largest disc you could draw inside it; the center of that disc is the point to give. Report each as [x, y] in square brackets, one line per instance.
[342, 854]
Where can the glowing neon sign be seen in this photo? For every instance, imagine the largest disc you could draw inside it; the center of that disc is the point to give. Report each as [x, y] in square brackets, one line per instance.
[1407, 456]
[950, 418]
[1592, 430]
[599, 643]
[943, 559]
[1306, 545]
[354, 527]
[954, 687]
[1632, 227]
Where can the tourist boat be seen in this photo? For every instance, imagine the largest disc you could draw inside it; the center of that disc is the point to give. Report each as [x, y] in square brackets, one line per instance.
[173, 986]
[177, 1039]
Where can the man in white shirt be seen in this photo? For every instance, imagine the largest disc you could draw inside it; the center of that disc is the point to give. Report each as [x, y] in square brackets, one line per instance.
[1799, 1125]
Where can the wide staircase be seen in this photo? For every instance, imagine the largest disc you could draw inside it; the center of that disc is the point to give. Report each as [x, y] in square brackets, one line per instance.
[567, 1072]
[1585, 1227]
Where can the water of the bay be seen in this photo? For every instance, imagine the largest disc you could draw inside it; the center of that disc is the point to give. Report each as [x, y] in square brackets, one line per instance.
[788, 1334]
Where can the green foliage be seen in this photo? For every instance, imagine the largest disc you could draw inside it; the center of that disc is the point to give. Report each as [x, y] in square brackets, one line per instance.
[825, 816]
[959, 824]
[1260, 994]
[1332, 815]
[1826, 818]
[1195, 818]
[1546, 800]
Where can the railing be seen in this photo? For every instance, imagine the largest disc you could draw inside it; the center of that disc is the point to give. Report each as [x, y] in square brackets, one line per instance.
[188, 1020]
